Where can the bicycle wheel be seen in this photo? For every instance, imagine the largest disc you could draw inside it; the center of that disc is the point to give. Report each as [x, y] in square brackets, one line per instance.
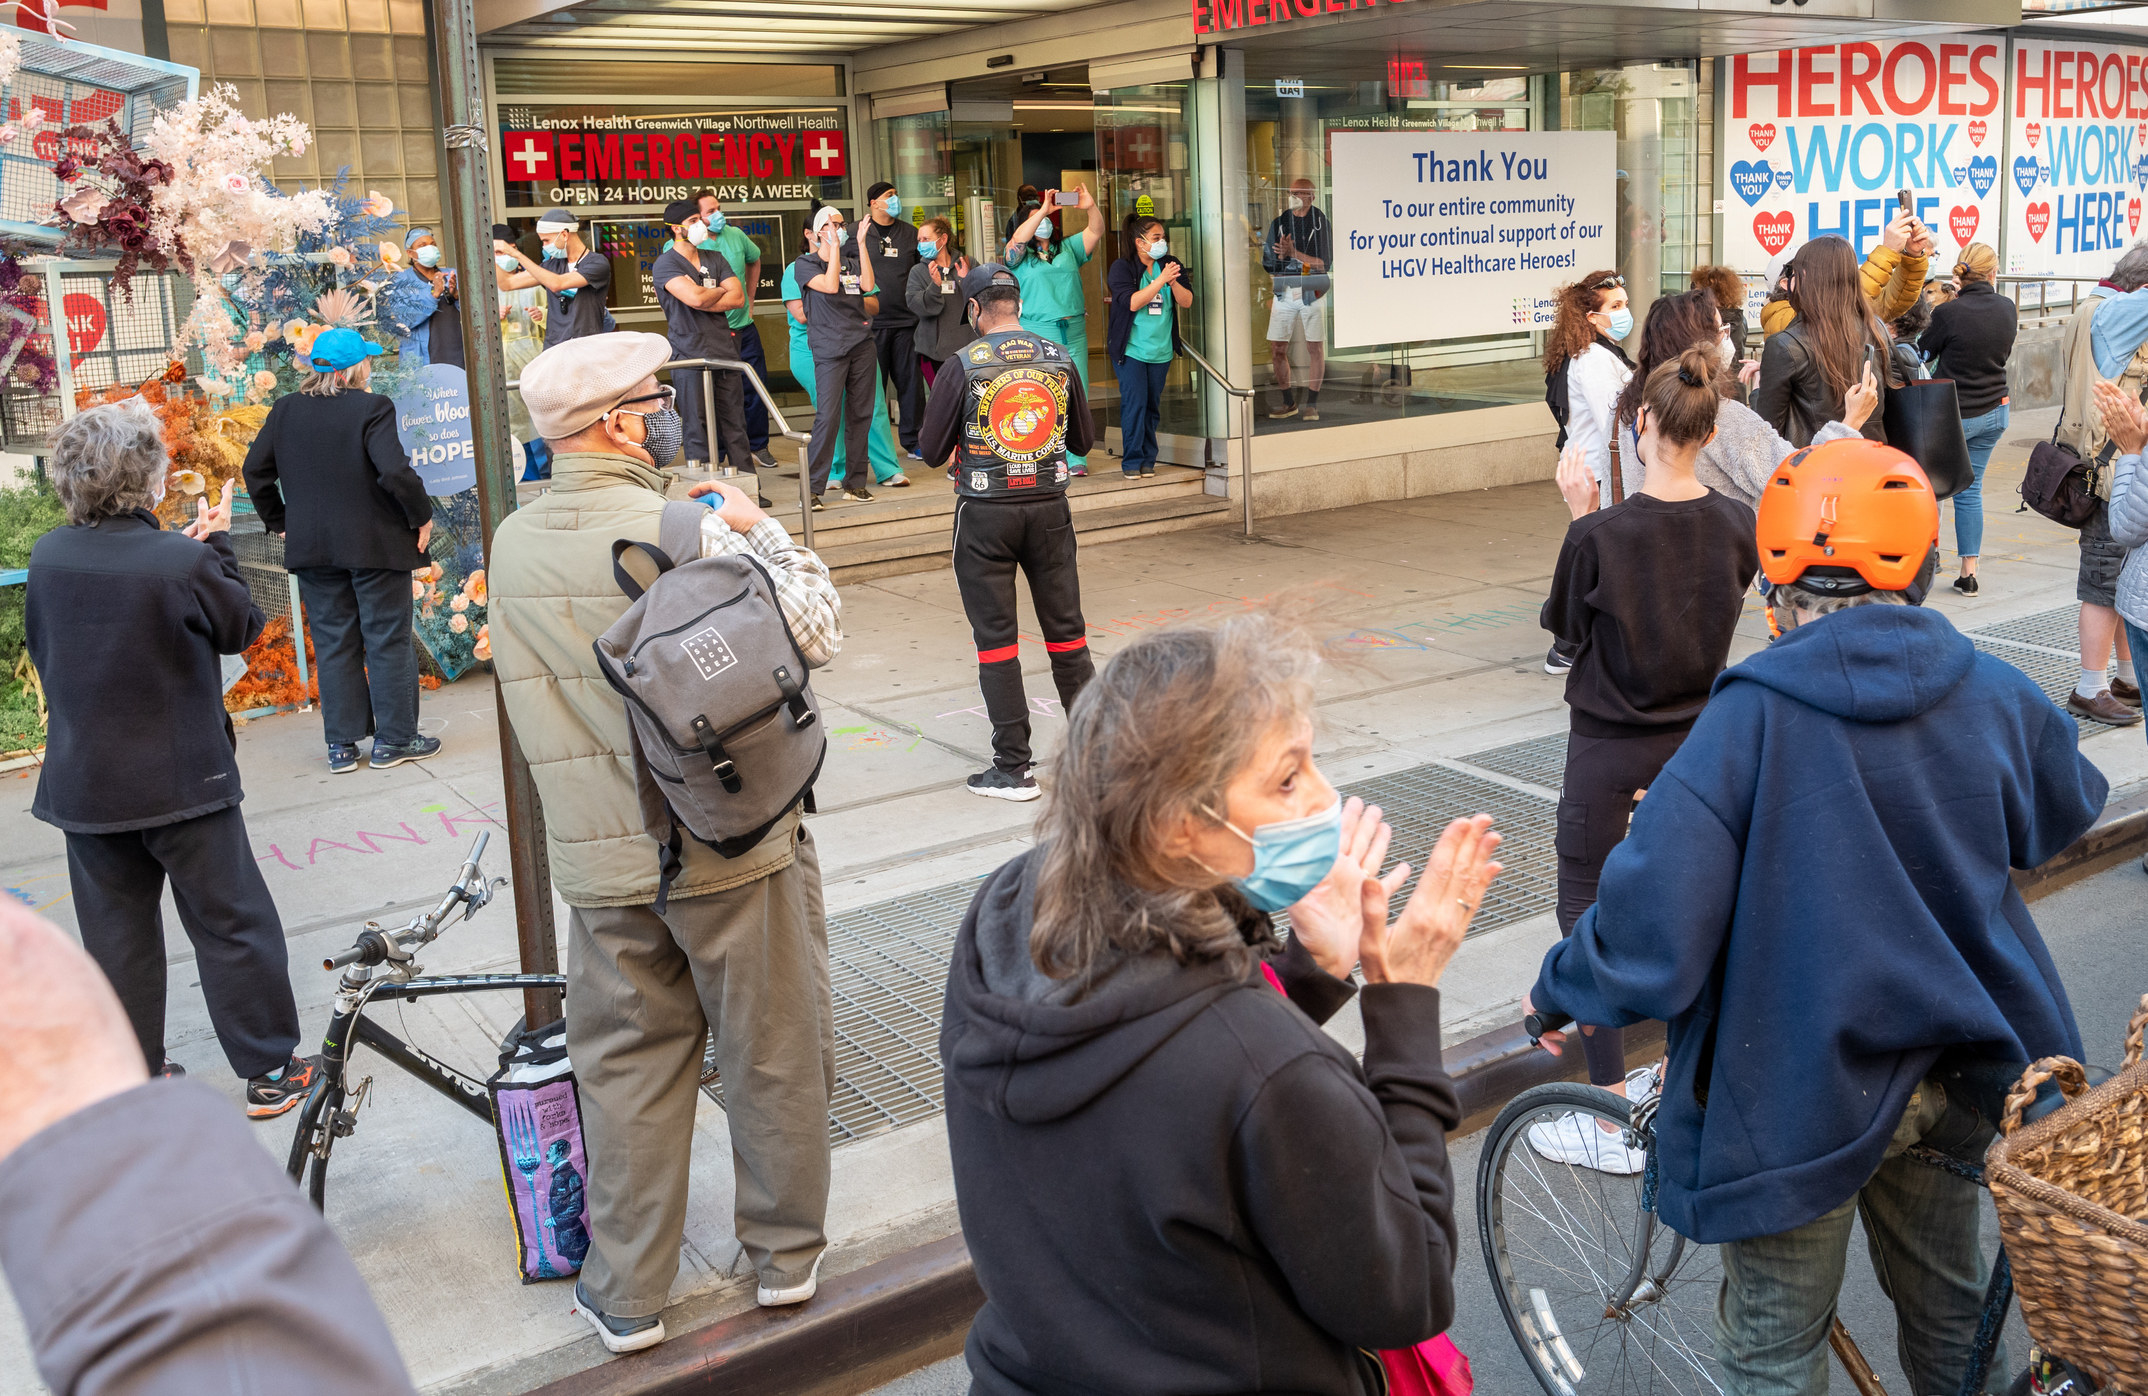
[1600, 1296]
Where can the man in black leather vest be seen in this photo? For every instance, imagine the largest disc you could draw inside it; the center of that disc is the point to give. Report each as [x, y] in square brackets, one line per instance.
[1007, 409]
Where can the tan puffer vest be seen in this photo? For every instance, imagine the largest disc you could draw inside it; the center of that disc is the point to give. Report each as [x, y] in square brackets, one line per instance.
[550, 594]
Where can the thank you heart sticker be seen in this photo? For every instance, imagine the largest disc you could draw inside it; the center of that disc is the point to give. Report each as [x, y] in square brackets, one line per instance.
[2025, 172]
[85, 325]
[1751, 179]
[1782, 179]
[2140, 171]
[1961, 221]
[1762, 133]
[2032, 131]
[1976, 132]
[2133, 215]
[2039, 218]
[1983, 173]
[1773, 230]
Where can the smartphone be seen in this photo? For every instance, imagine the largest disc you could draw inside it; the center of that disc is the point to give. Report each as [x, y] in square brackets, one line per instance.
[1066, 198]
[1907, 201]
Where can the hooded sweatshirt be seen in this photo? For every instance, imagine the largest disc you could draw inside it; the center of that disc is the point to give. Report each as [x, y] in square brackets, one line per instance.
[1814, 898]
[1171, 1180]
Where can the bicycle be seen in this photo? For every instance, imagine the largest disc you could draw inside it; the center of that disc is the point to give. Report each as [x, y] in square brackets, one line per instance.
[1601, 1295]
[380, 962]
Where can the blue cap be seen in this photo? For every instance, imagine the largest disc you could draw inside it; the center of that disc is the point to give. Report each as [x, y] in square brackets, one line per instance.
[413, 235]
[339, 349]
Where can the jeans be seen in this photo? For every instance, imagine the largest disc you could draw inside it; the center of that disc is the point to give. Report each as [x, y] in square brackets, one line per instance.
[2135, 638]
[1983, 433]
[363, 652]
[1141, 386]
[1779, 1292]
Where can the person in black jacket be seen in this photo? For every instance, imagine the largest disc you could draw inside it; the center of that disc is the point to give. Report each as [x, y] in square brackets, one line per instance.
[1146, 290]
[1809, 367]
[125, 623]
[1970, 340]
[329, 475]
[1169, 1177]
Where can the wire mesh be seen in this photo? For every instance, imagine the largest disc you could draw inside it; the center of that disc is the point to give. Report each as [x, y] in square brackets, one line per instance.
[72, 85]
[260, 555]
[1539, 761]
[2055, 629]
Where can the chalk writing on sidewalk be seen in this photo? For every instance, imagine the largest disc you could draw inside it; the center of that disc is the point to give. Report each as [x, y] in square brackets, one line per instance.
[364, 842]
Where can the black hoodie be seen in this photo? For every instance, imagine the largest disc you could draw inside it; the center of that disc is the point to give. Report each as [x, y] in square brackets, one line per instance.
[1176, 1182]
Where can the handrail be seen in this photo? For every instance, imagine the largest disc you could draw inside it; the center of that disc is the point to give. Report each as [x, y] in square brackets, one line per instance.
[1245, 430]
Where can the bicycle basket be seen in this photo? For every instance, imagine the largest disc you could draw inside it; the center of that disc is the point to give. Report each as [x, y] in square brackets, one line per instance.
[2072, 1194]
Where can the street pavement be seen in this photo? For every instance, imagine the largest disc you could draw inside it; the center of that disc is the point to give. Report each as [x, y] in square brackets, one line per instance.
[1433, 600]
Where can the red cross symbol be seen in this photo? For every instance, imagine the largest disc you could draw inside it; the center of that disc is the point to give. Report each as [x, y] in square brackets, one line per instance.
[824, 153]
[1138, 145]
[528, 155]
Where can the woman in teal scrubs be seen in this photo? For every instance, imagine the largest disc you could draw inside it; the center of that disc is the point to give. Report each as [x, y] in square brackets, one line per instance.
[1049, 270]
[880, 445]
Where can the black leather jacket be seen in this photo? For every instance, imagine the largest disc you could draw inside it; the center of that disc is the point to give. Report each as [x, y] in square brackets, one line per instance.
[1794, 397]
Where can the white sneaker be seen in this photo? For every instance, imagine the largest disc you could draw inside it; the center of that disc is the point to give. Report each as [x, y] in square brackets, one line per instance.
[793, 1294]
[1575, 1139]
[1641, 1083]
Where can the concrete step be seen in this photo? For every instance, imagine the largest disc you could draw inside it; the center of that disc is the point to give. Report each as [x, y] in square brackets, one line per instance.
[853, 560]
[928, 505]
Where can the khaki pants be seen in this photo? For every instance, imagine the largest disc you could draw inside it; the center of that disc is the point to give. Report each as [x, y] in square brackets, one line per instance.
[751, 965]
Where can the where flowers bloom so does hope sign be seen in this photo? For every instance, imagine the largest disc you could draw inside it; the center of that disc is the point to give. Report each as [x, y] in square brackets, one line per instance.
[1818, 140]
[1466, 230]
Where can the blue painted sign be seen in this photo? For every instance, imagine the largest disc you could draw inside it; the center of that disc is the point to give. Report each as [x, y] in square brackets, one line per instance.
[432, 416]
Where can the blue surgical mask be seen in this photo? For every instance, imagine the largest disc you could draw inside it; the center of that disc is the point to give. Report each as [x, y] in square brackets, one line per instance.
[507, 264]
[1621, 323]
[893, 204]
[716, 221]
[554, 253]
[427, 256]
[927, 248]
[1044, 231]
[1290, 856]
[1158, 250]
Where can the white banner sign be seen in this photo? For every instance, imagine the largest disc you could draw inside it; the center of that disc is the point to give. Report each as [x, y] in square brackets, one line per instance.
[1447, 233]
[1818, 140]
[2078, 115]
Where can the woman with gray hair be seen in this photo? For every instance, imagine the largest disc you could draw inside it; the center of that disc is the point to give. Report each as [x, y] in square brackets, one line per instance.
[1171, 1179]
[329, 474]
[127, 624]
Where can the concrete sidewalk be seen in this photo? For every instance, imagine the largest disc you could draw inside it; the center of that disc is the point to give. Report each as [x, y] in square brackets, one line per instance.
[1435, 600]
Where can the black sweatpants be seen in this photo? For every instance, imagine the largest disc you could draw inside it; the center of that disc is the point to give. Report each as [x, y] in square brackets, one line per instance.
[731, 433]
[1595, 804]
[362, 652]
[843, 396]
[896, 347]
[992, 538]
[224, 904]
[748, 336]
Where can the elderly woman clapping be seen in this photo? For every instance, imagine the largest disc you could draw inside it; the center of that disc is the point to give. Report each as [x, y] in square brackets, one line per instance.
[127, 625]
[1170, 1179]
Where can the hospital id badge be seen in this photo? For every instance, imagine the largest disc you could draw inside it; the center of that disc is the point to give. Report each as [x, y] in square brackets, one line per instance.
[947, 288]
[1156, 306]
[850, 283]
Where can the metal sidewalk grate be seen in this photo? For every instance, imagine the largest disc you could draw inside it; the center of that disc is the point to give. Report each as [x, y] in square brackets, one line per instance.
[2057, 629]
[1420, 801]
[2055, 674]
[1539, 761]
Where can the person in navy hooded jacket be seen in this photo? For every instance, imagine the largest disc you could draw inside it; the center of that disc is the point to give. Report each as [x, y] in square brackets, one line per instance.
[1814, 897]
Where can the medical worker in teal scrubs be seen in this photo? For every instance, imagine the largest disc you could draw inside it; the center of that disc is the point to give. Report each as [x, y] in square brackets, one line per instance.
[1048, 267]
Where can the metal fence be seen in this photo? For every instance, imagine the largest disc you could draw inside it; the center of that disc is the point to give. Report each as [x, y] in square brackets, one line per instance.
[110, 337]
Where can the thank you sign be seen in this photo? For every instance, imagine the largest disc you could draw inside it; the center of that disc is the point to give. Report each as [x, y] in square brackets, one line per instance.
[1447, 233]
[2078, 156]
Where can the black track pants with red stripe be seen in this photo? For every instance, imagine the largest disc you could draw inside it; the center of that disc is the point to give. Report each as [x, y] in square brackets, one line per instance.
[992, 538]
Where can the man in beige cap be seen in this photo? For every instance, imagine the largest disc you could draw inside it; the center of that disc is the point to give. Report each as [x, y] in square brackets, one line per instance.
[741, 951]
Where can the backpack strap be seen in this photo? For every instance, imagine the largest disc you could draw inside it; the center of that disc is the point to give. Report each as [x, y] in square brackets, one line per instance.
[678, 540]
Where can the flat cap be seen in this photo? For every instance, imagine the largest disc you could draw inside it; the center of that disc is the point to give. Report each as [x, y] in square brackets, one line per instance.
[571, 385]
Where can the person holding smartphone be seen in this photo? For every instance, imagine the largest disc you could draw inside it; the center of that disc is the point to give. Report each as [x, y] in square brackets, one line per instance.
[841, 298]
[1147, 290]
[1047, 265]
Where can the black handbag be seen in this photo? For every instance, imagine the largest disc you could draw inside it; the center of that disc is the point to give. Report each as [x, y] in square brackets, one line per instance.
[2058, 484]
[1924, 420]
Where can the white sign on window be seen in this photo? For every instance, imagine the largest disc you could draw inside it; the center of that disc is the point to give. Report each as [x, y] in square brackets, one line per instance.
[1440, 234]
[2078, 135]
[1290, 87]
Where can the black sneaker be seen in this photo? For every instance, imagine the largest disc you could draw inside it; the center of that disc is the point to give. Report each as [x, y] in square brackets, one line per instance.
[1004, 785]
[1557, 663]
[618, 1334]
[342, 756]
[1966, 584]
[271, 1095]
[171, 1070]
[859, 493]
[416, 749]
[817, 505]
[767, 503]
[764, 457]
[1148, 470]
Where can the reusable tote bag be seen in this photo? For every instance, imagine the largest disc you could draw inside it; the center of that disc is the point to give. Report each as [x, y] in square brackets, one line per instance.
[537, 1113]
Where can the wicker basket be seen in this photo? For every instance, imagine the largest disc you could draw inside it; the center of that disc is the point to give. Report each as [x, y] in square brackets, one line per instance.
[2072, 1194]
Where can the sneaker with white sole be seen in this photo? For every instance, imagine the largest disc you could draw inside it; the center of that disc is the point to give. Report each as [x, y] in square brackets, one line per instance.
[997, 784]
[619, 1334]
[1641, 1083]
[1577, 1140]
[775, 1297]
[1557, 662]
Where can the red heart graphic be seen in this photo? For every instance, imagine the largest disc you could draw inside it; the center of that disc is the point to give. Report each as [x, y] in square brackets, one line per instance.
[1976, 132]
[2133, 216]
[85, 324]
[2039, 218]
[1773, 230]
[1763, 134]
[2142, 132]
[1962, 221]
[2032, 131]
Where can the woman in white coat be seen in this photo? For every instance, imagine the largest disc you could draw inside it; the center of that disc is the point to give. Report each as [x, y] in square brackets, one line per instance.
[1584, 373]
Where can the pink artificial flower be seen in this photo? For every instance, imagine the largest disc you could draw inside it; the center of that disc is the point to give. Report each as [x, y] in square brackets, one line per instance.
[460, 603]
[86, 204]
[231, 257]
[340, 256]
[255, 339]
[458, 624]
[237, 183]
[483, 648]
[417, 590]
[473, 586]
[378, 205]
[264, 382]
[391, 256]
[435, 572]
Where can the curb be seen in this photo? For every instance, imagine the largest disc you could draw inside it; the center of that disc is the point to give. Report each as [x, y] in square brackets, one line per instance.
[896, 1315]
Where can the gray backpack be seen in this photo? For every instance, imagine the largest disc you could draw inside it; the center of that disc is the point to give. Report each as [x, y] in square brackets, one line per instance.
[727, 737]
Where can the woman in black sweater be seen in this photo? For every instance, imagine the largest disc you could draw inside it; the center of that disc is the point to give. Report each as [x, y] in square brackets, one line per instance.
[328, 474]
[1970, 340]
[1170, 1178]
[1650, 590]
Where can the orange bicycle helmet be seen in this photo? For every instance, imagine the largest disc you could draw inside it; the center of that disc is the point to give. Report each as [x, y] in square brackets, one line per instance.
[1846, 517]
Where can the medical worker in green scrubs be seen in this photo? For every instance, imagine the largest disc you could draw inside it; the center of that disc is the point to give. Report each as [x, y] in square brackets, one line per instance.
[1048, 268]
[880, 445]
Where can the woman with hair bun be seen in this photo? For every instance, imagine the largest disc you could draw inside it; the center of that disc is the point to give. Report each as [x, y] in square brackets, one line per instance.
[1970, 340]
[1648, 592]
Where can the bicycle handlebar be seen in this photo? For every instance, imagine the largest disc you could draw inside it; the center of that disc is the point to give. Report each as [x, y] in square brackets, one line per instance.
[375, 945]
[1543, 1021]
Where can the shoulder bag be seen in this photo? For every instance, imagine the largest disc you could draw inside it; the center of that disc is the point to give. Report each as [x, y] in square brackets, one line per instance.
[2060, 485]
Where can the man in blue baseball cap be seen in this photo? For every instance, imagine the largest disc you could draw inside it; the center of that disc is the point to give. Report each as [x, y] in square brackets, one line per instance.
[329, 474]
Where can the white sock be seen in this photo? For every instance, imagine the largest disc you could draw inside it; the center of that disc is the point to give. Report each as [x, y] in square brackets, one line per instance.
[2091, 683]
[2125, 671]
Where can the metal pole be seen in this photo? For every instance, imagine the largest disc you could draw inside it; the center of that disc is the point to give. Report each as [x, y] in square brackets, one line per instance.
[1245, 457]
[805, 491]
[458, 81]
[298, 639]
[708, 419]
